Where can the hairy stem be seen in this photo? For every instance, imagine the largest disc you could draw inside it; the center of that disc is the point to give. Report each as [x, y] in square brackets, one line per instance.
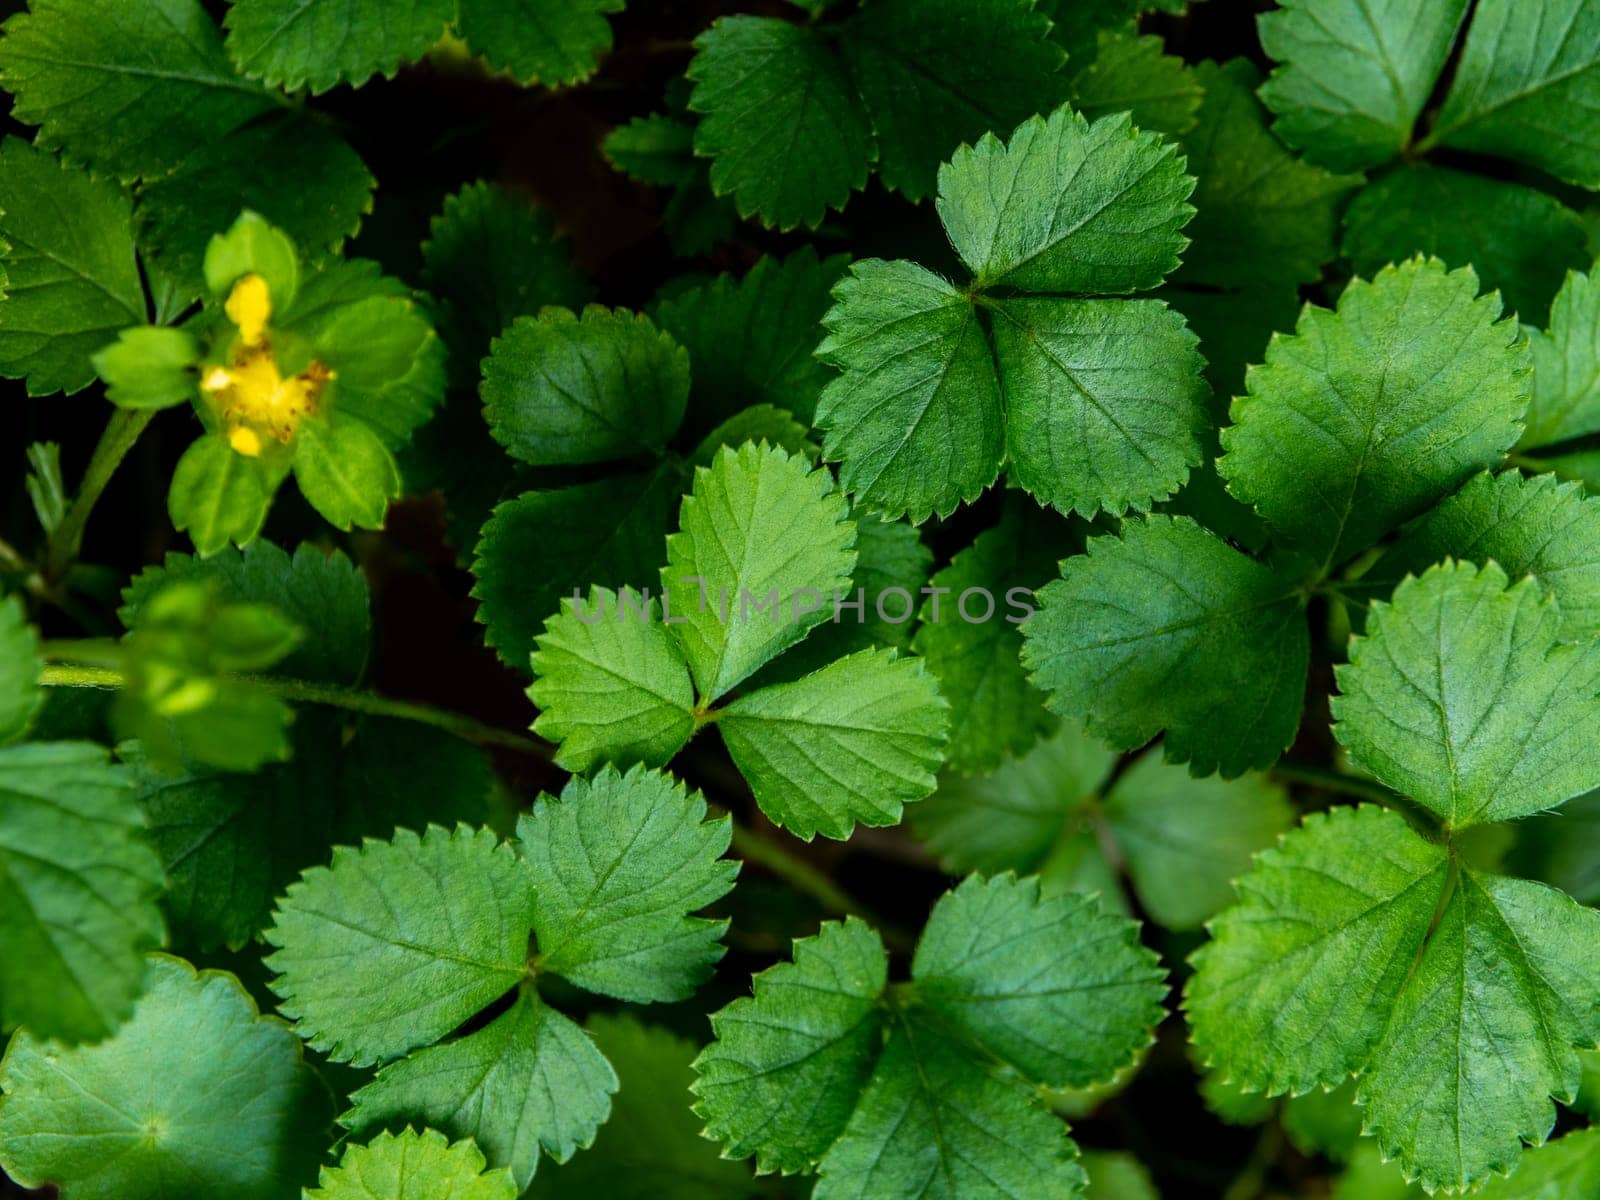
[122, 431]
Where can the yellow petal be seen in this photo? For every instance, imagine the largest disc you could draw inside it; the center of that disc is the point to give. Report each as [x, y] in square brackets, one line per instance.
[250, 307]
[246, 441]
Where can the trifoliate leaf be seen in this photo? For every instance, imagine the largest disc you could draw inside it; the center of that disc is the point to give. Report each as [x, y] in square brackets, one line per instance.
[217, 496]
[559, 389]
[1263, 216]
[20, 664]
[530, 1079]
[611, 684]
[1370, 413]
[68, 278]
[932, 1112]
[853, 742]
[1566, 1166]
[539, 549]
[553, 42]
[1462, 697]
[625, 860]
[1517, 238]
[970, 636]
[149, 366]
[397, 943]
[789, 1062]
[1066, 206]
[413, 1166]
[131, 88]
[1566, 366]
[1537, 527]
[317, 43]
[916, 419]
[801, 86]
[1516, 87]
[1353, 78]
[750, 342]
[324, 594]
[763, 543]
[1168, 627]
[179, 212]
[78, 888]
[650, 1148]
[1131, 74]
[1056, 987]
[933, 74]
[346, 473]
[245, 1119]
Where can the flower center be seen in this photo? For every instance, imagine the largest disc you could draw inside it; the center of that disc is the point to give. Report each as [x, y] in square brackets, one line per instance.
[252, 398]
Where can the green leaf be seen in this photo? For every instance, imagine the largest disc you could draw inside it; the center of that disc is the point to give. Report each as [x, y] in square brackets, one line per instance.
[559, 389]
[397, 943]
[345, 472]
[131, 88]
[251, 245]
[78, 888]
[1131, 74]
[760, 423]
[610, 683]
[1517, 87]
[801, 87]
[1537, 527]
[20, 664]
[1264, 216]
[750, 342]
[1372, 1177]
[1056, 987]
[1462, 696]
[1353, 77]
[853, 742]
[625, 860]
[68, 279]
[787, 1066]
[325, 594]
[761, 538]
[933, 74]
[149, 367]
[994, 711]
[413, 1166]
[650, 1148]
[537, 550]
[1569, 1165]
[1168, 627]
[1517, 239]
[129, 1119]
[316, 44]
[553, 42]
[530, 1079]
[1566, 366]
[1324, 1122]
[916, 419]
[331, 192]
[1371, 413]
[656, 149]
[218, 496]
[1066, 206]
[1117, 1175]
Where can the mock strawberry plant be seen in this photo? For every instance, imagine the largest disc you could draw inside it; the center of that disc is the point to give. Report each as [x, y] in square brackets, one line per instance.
[957, 600]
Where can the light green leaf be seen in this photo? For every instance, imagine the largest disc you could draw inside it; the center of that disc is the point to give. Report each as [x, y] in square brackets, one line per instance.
[611, 684]
[1370, 1177]
[559, 389]
[251, 245]
[68, 279]
[855, 741]
[625, 860]
[1168, 627]
[315, 44]
[218, 496]
[149, 367]
[128, 1119]
[800, 86]
[1566, 366]
[553, 42]
[789, 1062]
[1324, 1122]
[1566, 1166]
[1517, 238]
[1518, 84]
[1066, 206]
[1353, 75]
[397, 943]
[78, 888]
[413, 1166]
[1117, 1175]
[131, 88]
[1131, 74]
[1371, 413]
[345, 472]
[529, 1080]
[916, 419]
[20, 664]
[762, 538]
[1462, 697]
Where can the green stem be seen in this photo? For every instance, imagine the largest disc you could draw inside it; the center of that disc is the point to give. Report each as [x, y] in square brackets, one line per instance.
[1252, 1181]
[1331, 780]
[122, 431]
